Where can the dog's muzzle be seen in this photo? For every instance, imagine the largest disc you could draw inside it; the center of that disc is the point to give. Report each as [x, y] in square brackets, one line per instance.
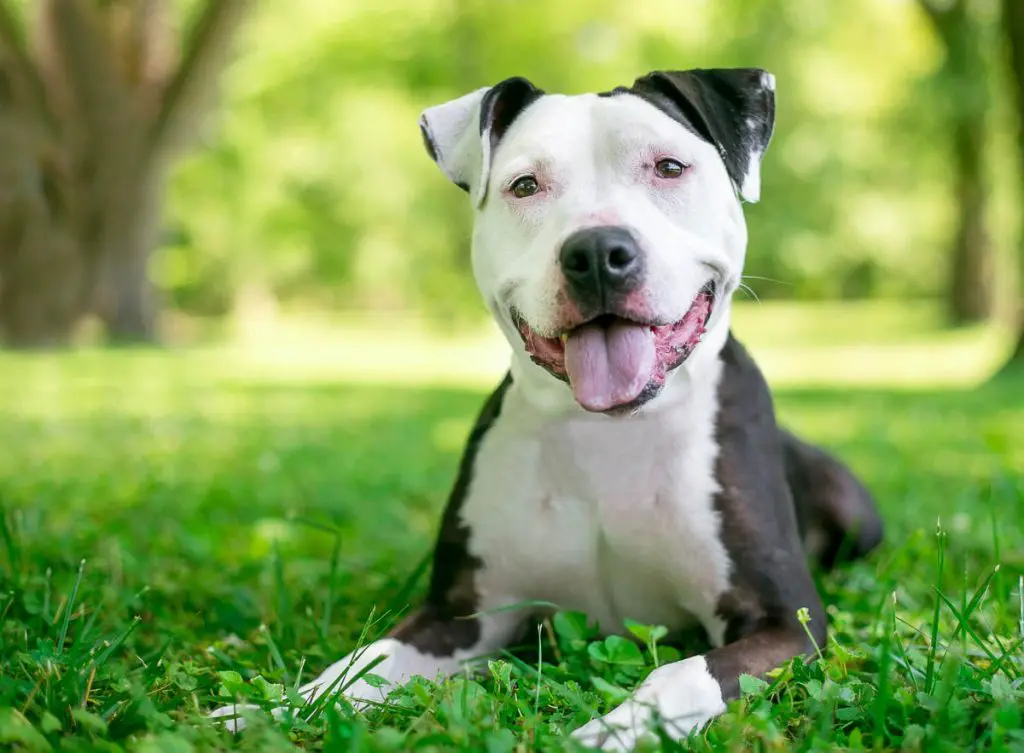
[617, 362]
[608, 346]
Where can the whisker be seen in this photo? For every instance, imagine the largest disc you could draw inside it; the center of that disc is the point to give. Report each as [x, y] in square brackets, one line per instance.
[767, 279]
[750, 291]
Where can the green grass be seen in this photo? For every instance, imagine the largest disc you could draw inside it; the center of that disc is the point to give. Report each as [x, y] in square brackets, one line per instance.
[169, 519]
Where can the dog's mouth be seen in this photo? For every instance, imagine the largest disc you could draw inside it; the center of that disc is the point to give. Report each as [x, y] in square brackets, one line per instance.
[615, 364]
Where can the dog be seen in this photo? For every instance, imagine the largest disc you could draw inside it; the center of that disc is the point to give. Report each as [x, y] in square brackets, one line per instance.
[629, 465]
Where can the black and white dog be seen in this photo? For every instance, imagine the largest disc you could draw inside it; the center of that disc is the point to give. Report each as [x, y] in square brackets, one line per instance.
[629, 465]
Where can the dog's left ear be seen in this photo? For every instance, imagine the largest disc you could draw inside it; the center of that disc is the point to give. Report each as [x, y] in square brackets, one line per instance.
[733, 108]
[461, 135]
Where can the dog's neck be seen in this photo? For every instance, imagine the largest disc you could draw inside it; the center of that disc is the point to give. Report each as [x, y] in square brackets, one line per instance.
[546, 399]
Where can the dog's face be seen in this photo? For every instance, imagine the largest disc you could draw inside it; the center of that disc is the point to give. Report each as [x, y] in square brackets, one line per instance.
[609, 234]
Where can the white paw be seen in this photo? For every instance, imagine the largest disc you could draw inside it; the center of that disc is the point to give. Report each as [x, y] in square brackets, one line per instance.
[236, 721]
[619, 730]
[684, 694]
[392, 661]
[339, 678]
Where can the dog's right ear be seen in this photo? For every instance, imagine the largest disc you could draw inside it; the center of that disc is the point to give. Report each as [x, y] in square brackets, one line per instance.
[461, 135]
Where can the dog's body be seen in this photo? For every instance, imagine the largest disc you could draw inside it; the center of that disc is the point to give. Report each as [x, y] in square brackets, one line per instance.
[629, 466]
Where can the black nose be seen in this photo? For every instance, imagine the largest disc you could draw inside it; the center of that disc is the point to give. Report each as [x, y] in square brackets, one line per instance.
[599, 262]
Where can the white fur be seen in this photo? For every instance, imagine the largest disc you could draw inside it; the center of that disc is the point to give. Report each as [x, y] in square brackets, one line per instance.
[614, 517]
[234, 715]
[751, 188]
[393, 662]
[684, 694]
[467, 158]
[594, 158]
[398, 663]
[622, 511]
[621, 508]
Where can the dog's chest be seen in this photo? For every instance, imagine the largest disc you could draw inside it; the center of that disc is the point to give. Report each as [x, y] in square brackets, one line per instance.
[612, 518]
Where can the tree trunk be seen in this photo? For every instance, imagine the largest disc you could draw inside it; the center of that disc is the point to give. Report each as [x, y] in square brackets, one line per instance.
[41, 267]
[40, 280]
[126, 298]
[970, 295]
[129, 308]
[92, 112]
[1013, 29]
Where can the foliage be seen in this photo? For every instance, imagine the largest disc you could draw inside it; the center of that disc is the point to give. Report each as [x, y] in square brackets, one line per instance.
[315, 185]
[177, 526]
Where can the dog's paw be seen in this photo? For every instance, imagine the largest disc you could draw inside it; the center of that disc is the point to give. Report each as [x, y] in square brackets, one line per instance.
[358, 691]
[620, 730]
[360, 696]
[235, 721]
[683, 695]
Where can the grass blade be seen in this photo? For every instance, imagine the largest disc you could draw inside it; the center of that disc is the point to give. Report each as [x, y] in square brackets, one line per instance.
[331, 582]
[881, 703]
[11, 547]
[929, 676]
[66, 621]
[118, 641]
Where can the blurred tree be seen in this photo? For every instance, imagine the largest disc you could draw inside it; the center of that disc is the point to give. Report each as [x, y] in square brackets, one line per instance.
[1013, 28]
[94, 107]
[316, 190]
[965, 108]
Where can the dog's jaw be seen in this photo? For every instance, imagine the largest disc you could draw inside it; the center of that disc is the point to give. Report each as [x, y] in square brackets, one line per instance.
[668, 345]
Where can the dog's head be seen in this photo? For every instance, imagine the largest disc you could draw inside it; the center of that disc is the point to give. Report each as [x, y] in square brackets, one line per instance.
[609, 234]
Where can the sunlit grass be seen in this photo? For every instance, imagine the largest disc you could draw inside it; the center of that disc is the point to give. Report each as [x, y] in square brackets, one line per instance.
[293, 478]
[879, 343]
[872, 344]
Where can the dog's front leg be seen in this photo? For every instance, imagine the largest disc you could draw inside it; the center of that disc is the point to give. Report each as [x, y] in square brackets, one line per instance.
[455, 623]
[427, 644]
[687, 694]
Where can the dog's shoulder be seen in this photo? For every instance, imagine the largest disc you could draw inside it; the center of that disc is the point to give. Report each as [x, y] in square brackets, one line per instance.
[759, 526]
[745, 401]
[746, 430]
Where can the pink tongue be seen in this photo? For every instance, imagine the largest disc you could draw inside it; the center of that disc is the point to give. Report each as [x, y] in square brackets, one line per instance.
[609, 366]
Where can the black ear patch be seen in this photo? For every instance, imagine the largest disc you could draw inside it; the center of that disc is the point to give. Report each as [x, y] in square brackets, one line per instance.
[733, 108]
[502, 104]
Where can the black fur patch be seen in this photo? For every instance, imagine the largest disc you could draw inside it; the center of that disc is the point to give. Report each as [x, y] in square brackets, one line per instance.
[732, 108]
[502, 104]
[443, 624]
[771, 579]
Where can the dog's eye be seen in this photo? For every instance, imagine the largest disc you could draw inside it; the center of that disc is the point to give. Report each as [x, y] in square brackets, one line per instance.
[669, 168]
[525, 186]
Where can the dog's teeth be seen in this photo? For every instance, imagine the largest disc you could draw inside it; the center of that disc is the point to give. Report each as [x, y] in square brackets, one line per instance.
[564, 337]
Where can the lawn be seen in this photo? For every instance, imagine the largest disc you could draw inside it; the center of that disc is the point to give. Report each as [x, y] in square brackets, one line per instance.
[181, 525]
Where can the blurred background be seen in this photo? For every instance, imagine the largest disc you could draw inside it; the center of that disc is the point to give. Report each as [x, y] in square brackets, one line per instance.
[183, 171]
[239, 191]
